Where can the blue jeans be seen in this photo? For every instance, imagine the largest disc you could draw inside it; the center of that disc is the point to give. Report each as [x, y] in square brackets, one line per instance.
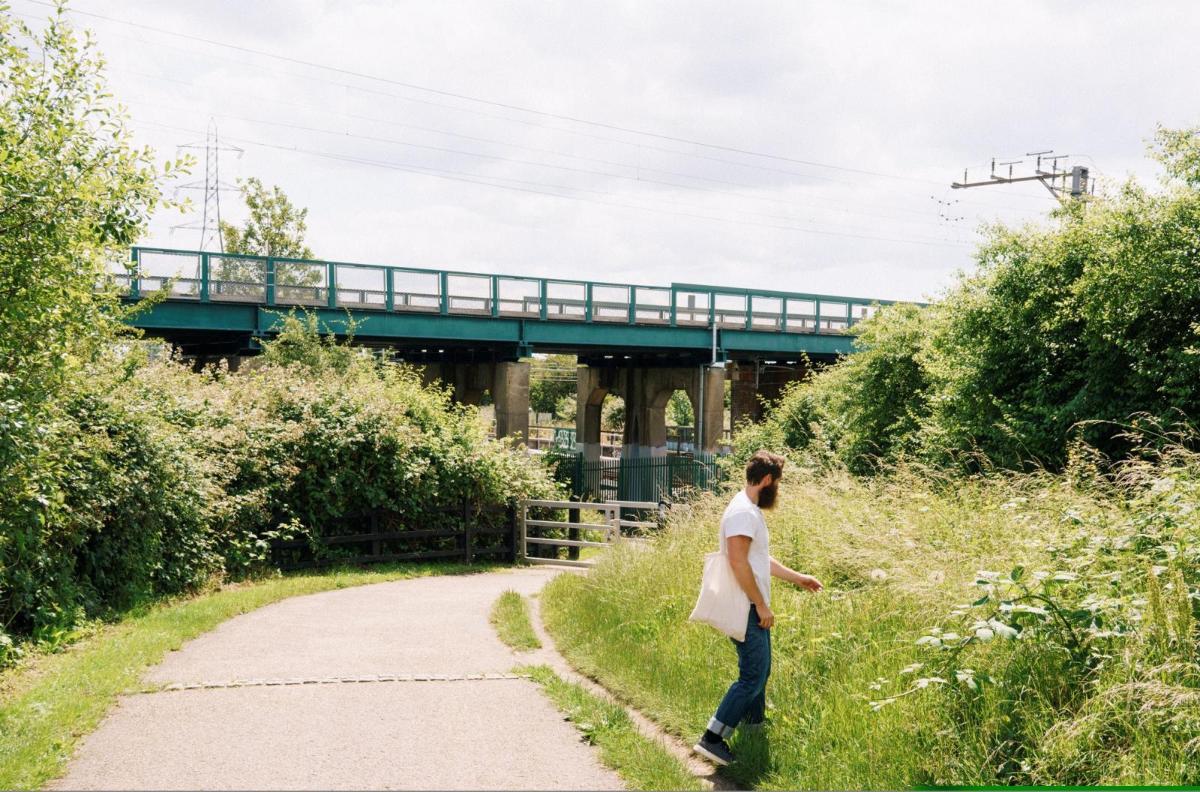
[746, 699]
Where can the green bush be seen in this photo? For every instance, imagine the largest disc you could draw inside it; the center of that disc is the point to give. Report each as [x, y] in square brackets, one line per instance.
[1093, 577]
[1083, 668]
[157, 478]
[1065, 331]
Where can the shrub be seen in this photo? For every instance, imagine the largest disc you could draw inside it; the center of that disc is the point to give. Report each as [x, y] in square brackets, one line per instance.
[1082, 669]
[1097, 685]
[158, 478]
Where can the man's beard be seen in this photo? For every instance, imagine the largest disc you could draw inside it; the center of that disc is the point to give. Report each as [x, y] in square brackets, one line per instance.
[766, 496]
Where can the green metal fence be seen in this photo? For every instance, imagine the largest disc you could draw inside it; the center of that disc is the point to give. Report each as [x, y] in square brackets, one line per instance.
[656, 478]
[206, 277]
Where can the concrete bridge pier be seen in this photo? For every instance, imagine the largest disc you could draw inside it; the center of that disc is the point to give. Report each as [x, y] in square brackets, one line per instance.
[646, 391]
[506, 381]
[592, 385]
[510, 395]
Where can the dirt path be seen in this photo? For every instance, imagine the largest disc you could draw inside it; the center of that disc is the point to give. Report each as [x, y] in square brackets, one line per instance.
[399, 685]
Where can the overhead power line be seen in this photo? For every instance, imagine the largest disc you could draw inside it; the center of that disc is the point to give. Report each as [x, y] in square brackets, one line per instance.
[519, 185]
[824, 203]
[498, 158]
[490, 102]
[504, 118]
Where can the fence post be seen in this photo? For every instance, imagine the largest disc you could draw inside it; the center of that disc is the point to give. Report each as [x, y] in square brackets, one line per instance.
[269, 281]
[467, 532]
[204, 275]
[511, 506]
[578, 485]
[573, 533]
[524, 507]
[373, 523]
[135, 281]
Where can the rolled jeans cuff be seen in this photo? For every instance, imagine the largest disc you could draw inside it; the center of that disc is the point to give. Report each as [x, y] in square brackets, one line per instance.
[716, 727]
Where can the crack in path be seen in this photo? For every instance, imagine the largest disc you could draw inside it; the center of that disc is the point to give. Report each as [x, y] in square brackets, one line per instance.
[328, 680]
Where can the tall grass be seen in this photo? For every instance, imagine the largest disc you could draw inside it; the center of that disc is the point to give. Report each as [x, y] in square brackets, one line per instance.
[897, 556]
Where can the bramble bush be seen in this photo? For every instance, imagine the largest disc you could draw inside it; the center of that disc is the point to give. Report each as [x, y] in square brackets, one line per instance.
[74, 194]
[161, 479]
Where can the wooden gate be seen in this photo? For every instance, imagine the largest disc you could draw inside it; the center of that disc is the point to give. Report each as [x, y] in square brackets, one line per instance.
[611, 527]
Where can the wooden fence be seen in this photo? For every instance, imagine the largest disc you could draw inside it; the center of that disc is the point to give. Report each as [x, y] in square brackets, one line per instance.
[469, 531]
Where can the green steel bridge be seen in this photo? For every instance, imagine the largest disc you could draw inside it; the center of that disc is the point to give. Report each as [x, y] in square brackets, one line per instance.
[222, 304]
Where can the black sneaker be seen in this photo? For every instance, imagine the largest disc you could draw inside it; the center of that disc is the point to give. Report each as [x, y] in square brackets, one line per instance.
[716, 750]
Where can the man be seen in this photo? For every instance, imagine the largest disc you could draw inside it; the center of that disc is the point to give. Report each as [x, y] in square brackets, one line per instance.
[744, 534]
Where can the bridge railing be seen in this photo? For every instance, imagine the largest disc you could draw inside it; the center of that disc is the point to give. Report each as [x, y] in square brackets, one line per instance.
[285, 282]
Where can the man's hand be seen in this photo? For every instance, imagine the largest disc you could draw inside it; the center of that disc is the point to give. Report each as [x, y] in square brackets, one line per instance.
[809, 582]
[766, 619]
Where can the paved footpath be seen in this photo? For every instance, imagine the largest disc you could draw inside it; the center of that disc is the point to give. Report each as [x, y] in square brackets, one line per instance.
[399, 685]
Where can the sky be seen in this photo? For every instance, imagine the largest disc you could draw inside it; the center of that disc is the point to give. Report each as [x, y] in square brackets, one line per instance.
[794, 146]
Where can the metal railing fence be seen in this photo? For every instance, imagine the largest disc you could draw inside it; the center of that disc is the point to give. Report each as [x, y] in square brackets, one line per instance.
[224, 277]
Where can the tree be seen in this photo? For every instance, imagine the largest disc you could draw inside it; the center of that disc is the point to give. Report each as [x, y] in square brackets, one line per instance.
[74, 195]
[551, 379]
[679, 410]
[275, 227]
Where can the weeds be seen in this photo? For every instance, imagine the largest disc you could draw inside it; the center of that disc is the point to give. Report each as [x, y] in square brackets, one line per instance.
[1075, 665]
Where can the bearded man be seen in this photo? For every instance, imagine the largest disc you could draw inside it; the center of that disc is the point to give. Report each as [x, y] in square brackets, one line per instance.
[743, 533]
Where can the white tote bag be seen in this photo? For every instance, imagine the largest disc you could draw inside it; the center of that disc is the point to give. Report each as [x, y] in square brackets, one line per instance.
[722, 602]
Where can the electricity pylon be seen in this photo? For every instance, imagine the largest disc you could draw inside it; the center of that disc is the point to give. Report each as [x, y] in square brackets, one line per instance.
[210, 218]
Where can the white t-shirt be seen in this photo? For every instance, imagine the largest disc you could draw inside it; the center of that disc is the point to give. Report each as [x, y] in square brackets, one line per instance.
[743, 518]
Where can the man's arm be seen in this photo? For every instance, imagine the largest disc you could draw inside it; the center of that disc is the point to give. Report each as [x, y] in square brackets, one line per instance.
[738, 548]
[792, 576]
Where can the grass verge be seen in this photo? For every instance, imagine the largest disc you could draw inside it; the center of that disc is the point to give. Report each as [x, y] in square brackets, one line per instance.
[510, 617]
[899, 556]
[50, 701]
[643, 763]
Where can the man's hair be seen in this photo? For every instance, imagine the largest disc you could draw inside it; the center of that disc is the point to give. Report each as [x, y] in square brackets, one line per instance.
[762, 463]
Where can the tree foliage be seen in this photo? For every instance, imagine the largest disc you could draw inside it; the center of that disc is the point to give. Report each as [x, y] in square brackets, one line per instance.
[679, 410]
[551, 379]
[1066, 328]
[275, 226]
[74, 194]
